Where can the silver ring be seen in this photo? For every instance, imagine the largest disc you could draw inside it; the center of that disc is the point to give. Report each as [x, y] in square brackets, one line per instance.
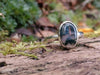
[68, 34]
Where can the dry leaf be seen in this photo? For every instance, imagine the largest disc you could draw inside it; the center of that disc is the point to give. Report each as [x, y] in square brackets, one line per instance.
[82, 27]
[24, 31]
[43, 21]
[85, 30]
[45, 33]
[90, 6]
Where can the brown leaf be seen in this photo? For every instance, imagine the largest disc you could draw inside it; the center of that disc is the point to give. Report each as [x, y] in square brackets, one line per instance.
[43, 21]
[82, 27]
[24, 31]
[82, 24]
[45, 33]
[85, 30]
[90, 6]
[17, 35]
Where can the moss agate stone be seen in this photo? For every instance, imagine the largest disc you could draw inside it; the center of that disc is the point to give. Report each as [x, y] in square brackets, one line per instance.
[68, 34]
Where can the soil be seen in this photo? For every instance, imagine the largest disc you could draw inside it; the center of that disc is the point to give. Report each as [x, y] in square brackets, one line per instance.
[84, 59]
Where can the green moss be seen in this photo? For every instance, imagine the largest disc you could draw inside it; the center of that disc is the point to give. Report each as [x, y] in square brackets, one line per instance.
[28, 38]
[3, 35]
[18, 13]
[20, 48]
[91, 22]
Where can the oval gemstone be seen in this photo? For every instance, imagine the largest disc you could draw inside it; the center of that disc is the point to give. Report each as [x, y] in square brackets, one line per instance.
[68, 34]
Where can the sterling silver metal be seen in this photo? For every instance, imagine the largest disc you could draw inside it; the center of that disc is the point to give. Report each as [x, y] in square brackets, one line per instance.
[68, 34]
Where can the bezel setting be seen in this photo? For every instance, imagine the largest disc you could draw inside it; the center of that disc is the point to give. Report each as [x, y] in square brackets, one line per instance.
[68, 46]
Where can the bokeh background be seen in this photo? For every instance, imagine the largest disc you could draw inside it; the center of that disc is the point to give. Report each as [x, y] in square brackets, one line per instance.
[30, 20]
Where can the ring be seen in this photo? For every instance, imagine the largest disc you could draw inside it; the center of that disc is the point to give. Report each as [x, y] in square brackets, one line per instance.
[68, 34]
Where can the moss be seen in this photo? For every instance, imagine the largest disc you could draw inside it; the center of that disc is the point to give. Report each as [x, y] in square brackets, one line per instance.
[3, 35]
[20, 48]
[18, 13]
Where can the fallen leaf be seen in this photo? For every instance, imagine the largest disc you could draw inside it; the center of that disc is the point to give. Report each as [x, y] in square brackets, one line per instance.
[82, 27]
[82, 24]
[24, 31]
[90, 6]
[44, 21]
[85, 30]
[45, 33]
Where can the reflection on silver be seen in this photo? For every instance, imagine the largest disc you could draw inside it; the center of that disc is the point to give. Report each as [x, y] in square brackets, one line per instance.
[68, 34]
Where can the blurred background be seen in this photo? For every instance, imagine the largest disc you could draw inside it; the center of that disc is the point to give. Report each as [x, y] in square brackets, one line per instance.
[30, 20]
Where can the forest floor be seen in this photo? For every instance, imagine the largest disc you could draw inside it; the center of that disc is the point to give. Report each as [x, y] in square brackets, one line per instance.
[84, 59]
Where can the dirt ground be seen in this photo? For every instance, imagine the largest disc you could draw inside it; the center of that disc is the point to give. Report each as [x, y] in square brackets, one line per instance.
[84, 59]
